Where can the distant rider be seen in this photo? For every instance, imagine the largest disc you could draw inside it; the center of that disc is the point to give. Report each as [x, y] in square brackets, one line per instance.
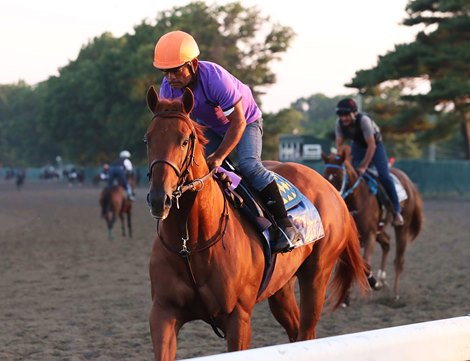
[104, 175]
[119, 169]
[367, 148]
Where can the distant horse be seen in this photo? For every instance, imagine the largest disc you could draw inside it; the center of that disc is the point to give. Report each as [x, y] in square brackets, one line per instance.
[114, 203]
[372, 218]
[207, 259]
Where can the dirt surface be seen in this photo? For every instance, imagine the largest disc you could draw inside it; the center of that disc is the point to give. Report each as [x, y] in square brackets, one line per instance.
[69, 293]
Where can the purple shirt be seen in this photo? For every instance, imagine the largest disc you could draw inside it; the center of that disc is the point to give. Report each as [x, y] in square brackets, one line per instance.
[216, 92]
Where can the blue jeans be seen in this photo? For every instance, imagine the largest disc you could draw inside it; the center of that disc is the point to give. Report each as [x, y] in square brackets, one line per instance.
[249, 154]
[380, 161]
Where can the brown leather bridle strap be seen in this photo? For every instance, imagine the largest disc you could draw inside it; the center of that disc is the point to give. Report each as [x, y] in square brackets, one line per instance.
[172, 165]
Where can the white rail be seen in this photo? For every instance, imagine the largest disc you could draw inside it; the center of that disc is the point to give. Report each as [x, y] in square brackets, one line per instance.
[441, 340]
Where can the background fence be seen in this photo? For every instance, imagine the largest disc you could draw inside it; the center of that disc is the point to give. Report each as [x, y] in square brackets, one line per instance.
[437, 177]
[441, 340]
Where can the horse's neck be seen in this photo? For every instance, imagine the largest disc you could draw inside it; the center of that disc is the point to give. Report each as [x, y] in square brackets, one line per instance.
[361, 189]
[200, 213]
[209, 202]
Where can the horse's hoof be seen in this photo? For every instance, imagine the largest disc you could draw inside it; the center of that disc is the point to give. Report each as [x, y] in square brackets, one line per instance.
[374, 283]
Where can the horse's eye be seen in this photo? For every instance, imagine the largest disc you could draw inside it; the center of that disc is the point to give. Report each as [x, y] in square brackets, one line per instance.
[185, 142]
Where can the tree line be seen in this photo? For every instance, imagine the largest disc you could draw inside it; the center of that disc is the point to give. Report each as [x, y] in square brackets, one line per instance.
[96, 105]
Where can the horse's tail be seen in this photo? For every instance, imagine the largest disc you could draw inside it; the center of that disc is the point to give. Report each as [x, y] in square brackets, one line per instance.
[351, 267]
[417, 215]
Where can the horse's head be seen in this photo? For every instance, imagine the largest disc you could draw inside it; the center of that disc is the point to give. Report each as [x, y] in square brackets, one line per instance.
[172, 140]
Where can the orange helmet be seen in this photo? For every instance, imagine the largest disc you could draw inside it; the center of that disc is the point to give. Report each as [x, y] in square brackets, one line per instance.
[174, 49]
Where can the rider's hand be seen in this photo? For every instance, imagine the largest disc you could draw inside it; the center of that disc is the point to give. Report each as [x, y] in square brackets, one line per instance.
[361, 170]
[213, 161]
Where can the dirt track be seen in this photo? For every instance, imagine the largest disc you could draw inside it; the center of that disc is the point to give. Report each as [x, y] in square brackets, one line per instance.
[68, 293]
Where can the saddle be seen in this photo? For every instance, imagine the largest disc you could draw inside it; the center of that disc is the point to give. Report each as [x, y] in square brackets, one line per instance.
[376, 188]
[301, 212]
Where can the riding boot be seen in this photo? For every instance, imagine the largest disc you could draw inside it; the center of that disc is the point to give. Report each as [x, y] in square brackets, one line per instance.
[285, 235]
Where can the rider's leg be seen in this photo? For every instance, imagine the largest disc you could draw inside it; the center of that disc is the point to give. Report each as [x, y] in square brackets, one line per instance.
[111, 176]
[126, 185]
[380, 161]
[249, 154]
[357, 154]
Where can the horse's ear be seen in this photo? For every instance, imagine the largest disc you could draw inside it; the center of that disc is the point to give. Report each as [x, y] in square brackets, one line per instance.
[188, 100]
[152, 99]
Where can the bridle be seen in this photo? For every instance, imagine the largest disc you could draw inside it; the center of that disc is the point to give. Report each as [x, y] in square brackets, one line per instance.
[181, 186]
[345, 192]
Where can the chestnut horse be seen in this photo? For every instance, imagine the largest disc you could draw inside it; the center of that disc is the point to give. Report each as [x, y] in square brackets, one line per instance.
[207, 260]
[371, 218]
[114, 203]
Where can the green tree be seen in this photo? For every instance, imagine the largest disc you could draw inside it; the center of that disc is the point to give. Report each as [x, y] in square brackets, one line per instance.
[440, 55]
[286, 121]
[22, 140]
[319, 115]
[96, 106]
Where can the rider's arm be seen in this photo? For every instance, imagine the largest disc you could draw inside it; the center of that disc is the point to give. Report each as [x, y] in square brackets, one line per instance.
[339, 142]
[338, 136]
[232, 136]
[371, 146]
[128, 165]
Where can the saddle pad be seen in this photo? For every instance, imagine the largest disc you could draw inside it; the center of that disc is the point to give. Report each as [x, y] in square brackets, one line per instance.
[401, 192]
[301, 212]
[290, 194]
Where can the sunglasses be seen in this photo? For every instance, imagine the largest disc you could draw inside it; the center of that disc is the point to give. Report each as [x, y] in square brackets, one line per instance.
[174, 71]
[342, 113]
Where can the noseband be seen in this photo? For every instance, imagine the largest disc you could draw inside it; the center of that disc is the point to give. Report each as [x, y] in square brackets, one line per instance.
[343, 191]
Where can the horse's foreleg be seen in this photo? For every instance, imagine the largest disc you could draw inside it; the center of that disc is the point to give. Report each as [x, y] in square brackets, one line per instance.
[284, 307]
[109, 224]
[238, 330]
[401, 243]
[164, 332]
[384, 240]
[369, 243]
[129, 223]
[123, 228]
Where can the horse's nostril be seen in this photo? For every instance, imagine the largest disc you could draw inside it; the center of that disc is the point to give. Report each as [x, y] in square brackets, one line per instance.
[158, 201]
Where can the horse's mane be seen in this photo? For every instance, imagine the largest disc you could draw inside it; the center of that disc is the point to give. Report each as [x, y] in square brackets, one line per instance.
[345, 152]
